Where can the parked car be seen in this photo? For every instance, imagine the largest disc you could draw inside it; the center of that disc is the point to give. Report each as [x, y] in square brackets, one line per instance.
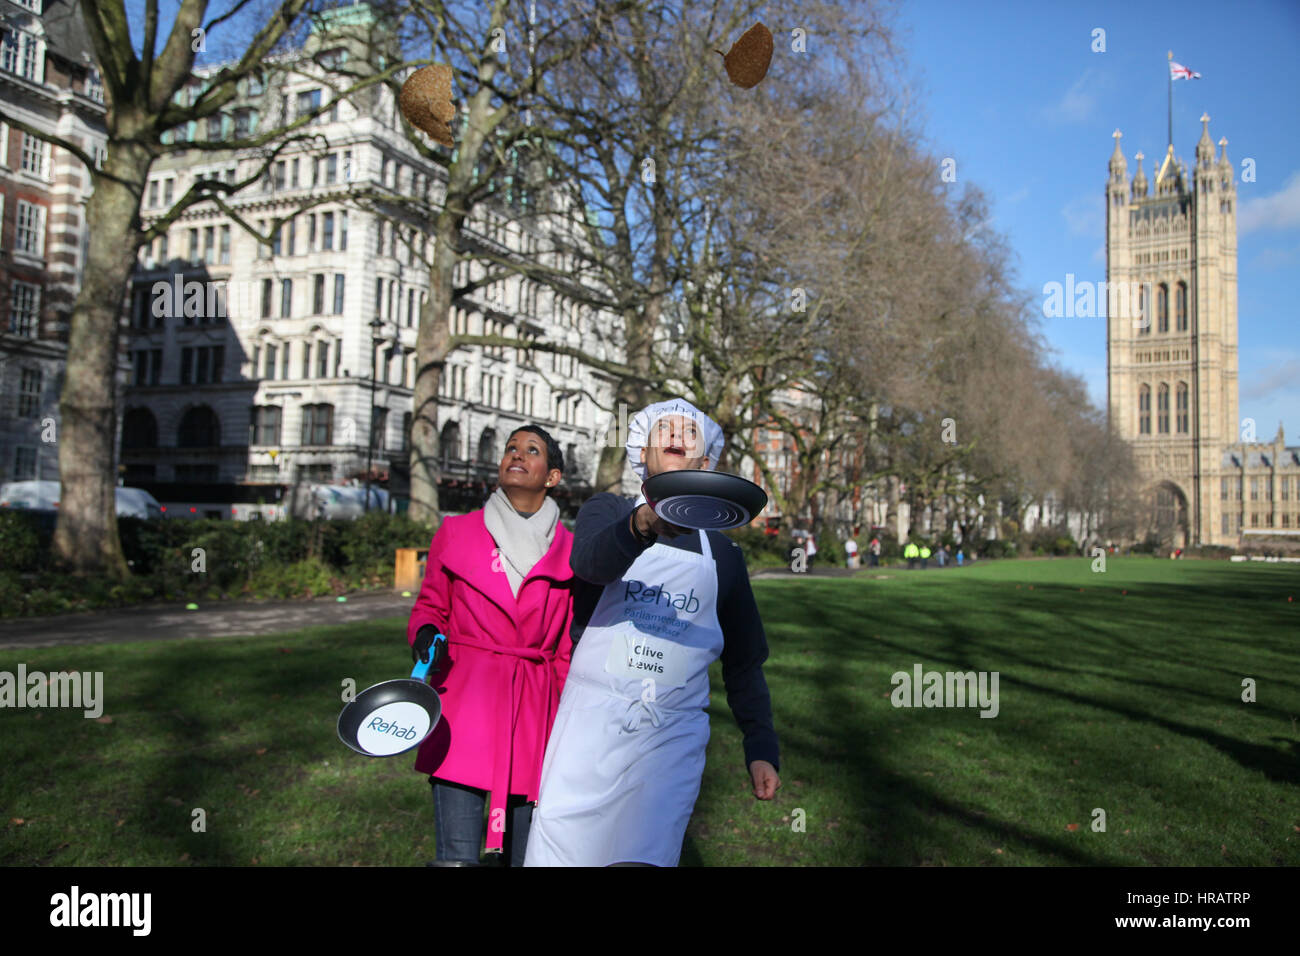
[44, 496]
[337, 501]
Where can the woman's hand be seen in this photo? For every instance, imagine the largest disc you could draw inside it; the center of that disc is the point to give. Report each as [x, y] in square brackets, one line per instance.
[766, 781]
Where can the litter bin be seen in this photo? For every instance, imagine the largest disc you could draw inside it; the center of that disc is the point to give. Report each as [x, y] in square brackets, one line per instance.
[408, 572]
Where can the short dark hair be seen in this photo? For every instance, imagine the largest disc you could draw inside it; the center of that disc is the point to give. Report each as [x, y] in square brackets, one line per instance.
[554, 457]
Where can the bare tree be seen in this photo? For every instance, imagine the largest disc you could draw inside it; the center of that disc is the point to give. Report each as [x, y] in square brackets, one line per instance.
[143, 94]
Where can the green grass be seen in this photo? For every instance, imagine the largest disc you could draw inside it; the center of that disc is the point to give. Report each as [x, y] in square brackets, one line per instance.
[1126, 702]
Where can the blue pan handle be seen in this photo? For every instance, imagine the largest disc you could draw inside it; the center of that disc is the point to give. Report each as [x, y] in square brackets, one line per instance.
[421, 669]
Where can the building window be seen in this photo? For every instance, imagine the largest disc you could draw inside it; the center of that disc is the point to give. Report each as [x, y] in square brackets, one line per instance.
[1162, 307]
[1223, 489]
[153, 193]
[318, 295]
[29, 392]
[317, 424]
[267, 287]
[265, 425]
[23, 53]
[277, 245]
[194, 247]
[286, 298]
[1254, 489]
[338, 293]
[1238, 488]
[1162, 409]
[327, 232]
[24, 463]
[1144, 410]
[293, 237]
[210, 245]
[199, 428]
[1226, 524]
[343, 231]
[1182, 408]
[332, 168]
[168, 184]
[1180, 307]
[269, 370]
[24, 308]
[323, 360]
[410, 308]
[308, 102]
[245, 122]
[284, 363]
[139, 429]
[1285, 482]
[36, 156]
[225, 246]
[29, 229]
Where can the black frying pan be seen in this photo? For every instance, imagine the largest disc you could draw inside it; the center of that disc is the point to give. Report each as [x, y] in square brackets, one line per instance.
[704, 499]
[395, 716]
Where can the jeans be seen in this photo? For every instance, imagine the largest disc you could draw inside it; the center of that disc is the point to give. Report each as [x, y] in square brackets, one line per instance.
[458, 818]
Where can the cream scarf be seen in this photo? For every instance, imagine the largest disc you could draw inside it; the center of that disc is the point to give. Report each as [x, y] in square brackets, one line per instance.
[521, 541]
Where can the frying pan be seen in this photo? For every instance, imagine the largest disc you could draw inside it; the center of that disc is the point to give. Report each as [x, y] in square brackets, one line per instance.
[394, 716]
[704, 499]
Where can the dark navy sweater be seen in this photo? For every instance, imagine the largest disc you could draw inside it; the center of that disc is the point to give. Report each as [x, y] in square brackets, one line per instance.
[604, 547]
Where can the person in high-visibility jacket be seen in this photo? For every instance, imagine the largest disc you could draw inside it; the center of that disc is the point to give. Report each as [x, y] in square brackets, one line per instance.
[911, 552]
[925, 556]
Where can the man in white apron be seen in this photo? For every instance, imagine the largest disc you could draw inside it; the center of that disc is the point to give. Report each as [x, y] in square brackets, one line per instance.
[625, 757]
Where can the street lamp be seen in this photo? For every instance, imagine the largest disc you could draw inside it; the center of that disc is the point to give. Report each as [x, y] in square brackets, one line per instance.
[375, 338]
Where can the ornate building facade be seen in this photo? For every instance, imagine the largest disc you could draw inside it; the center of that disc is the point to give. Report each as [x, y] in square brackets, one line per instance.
[1171, 272]
[48, 82]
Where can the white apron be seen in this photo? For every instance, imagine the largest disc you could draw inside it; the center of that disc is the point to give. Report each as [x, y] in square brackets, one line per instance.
[625, 757]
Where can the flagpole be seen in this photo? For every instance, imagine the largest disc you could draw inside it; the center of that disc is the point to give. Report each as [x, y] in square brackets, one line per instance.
[1171, 98]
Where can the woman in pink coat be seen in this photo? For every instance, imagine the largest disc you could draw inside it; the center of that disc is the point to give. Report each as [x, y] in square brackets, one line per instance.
[499, 586]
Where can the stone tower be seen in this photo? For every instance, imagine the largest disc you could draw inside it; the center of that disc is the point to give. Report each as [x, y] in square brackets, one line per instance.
[1172, 356]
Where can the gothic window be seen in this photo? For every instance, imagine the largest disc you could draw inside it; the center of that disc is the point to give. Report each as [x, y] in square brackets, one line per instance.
[1144, 310]
[1180, 307]
[1182, 408]
[1162, 307]
[1162, 409]
[1144, 410]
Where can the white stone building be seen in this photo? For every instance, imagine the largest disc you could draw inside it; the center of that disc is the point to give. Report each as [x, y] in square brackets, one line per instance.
[252, 366]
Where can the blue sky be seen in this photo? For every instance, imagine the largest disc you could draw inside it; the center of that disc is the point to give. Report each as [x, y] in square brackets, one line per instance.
[1014, 93]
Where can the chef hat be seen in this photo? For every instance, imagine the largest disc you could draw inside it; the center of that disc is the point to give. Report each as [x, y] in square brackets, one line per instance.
[639, 426]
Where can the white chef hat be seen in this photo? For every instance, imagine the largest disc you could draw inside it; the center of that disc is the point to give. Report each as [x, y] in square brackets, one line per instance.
[639, 426]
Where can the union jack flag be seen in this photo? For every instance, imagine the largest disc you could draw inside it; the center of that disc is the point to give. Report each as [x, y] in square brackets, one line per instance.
[1179, 72]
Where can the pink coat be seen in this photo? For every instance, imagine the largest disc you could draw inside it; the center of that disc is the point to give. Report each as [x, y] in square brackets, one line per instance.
[505, 664]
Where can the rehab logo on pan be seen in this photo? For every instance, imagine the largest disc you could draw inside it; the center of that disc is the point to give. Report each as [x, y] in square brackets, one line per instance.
[392, 728]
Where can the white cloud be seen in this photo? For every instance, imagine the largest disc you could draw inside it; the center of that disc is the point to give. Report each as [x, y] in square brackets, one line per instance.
[1278, 211]
[1076, 105]
[1278, 377]
[1086, 216]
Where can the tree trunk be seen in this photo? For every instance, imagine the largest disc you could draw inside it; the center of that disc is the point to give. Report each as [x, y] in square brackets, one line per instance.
[86, 540]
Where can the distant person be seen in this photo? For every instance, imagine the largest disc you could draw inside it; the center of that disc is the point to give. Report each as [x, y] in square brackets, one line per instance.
[851, 553]
[941, 556]
[812, 549]
[960, 556]
[925, 556]
[912, 553]
[874, 548]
